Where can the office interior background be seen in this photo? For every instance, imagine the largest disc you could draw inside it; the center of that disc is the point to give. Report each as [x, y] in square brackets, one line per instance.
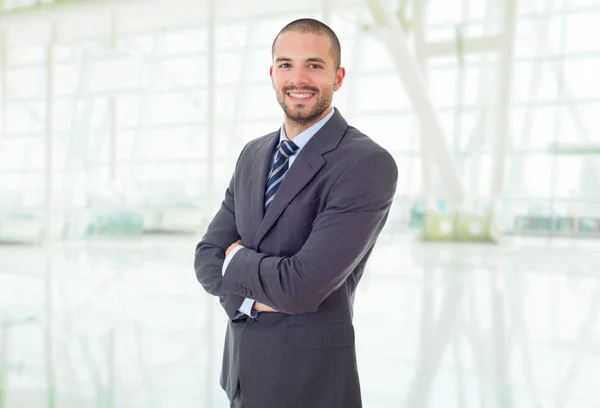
[121, 122]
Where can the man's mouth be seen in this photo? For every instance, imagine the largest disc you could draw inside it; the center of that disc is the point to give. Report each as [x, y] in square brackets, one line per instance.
[300, 95]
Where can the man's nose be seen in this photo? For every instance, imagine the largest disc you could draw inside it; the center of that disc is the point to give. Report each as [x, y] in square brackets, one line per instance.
[299, 77]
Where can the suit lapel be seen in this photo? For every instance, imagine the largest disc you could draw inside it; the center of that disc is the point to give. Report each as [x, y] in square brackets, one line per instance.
[305, 167]
[303, 170]
[260, 169]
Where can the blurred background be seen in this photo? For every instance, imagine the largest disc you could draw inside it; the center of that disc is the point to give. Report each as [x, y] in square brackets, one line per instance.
[120, 124]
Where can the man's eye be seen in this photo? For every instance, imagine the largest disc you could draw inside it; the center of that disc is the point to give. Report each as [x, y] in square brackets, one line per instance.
[284, 65]
[314, 66]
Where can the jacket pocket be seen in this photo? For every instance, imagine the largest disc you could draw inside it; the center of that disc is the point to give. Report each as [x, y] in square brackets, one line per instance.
[330, 336]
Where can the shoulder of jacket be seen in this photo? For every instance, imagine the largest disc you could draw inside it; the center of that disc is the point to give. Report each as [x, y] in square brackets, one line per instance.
[360, 143]
[259, 141]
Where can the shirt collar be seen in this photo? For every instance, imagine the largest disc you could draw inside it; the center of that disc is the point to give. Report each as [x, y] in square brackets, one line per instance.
[303, 138]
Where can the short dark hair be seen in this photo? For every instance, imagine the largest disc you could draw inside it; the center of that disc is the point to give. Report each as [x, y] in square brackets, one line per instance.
[310, 25]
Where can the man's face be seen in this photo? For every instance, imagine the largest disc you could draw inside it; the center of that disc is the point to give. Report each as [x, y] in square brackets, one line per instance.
[304, 75]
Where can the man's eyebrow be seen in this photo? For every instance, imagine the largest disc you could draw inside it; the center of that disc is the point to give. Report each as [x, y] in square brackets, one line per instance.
[311, 59]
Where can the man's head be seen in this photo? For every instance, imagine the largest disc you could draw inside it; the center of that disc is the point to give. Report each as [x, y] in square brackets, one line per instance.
[310, 25]
[306, 70]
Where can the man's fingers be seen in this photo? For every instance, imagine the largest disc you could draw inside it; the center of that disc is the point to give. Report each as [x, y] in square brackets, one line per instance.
[261, 307]
[232, 246]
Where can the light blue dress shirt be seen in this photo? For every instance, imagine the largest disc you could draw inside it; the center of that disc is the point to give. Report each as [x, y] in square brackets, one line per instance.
[301, 140]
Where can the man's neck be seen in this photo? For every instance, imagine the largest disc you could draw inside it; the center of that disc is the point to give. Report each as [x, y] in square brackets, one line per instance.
[293, 128]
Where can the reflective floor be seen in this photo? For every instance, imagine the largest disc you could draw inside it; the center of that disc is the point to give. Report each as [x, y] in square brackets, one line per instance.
[125, 324]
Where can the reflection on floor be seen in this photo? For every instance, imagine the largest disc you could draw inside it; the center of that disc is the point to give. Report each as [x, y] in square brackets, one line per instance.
[438, 325]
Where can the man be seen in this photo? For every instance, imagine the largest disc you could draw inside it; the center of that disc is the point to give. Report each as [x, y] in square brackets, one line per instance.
[289, 244]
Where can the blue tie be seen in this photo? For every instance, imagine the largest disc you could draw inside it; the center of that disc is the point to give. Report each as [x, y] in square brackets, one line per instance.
[278, 170]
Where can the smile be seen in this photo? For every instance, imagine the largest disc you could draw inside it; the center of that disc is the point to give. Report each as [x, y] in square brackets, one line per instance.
[300, 95]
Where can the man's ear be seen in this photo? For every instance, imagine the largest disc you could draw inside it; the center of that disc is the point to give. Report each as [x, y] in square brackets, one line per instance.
[271, 75]
[339, 78]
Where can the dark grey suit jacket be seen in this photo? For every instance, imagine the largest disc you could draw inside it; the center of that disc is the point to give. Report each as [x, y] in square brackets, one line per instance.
[304, 258]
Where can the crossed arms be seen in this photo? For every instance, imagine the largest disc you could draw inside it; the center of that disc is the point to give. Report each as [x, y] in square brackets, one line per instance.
[356, 210]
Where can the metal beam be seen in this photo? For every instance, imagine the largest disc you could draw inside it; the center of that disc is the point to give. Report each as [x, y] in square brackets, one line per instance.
[575, 149]
[391, 34]
[44, 7]
[467, 46]
[460, 96]
[427, 175]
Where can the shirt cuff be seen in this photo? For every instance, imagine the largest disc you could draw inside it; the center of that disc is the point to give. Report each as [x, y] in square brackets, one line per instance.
[230, 256]
[246, 307]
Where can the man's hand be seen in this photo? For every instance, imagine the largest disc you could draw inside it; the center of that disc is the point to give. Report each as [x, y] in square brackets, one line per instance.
[262, 307]
[232, 246]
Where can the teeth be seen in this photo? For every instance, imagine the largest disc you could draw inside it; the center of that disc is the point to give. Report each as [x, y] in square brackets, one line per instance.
[300, 96]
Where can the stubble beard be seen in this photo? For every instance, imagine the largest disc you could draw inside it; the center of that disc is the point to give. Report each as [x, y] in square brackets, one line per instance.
[299, 115]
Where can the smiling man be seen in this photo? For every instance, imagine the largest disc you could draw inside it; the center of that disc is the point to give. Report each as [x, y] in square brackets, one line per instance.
[288, 246]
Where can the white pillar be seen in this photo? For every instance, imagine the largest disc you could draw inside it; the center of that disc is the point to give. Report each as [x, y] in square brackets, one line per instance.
[350, 82]
[112, 111]
[327, 12]
[505, 98]
[49, 220]
[3, 360]
[48, 136]
[210, 191]
[112, 140]
[3, 82]
[49, 333]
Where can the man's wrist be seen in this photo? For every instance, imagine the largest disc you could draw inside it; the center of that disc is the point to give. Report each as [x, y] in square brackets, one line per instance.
[229, 257]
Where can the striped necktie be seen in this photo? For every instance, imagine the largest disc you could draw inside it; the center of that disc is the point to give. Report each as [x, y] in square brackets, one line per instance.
[278, 170]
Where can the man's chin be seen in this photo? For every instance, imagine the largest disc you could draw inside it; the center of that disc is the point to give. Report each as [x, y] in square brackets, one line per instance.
[300, 113]
[302, 118]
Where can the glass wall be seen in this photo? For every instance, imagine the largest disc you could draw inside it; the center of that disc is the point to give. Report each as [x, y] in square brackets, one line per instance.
[112, 127]
[116, 102]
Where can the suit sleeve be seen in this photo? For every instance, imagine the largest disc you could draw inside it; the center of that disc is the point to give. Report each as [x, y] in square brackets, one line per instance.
[210, 252]
[342, 234]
